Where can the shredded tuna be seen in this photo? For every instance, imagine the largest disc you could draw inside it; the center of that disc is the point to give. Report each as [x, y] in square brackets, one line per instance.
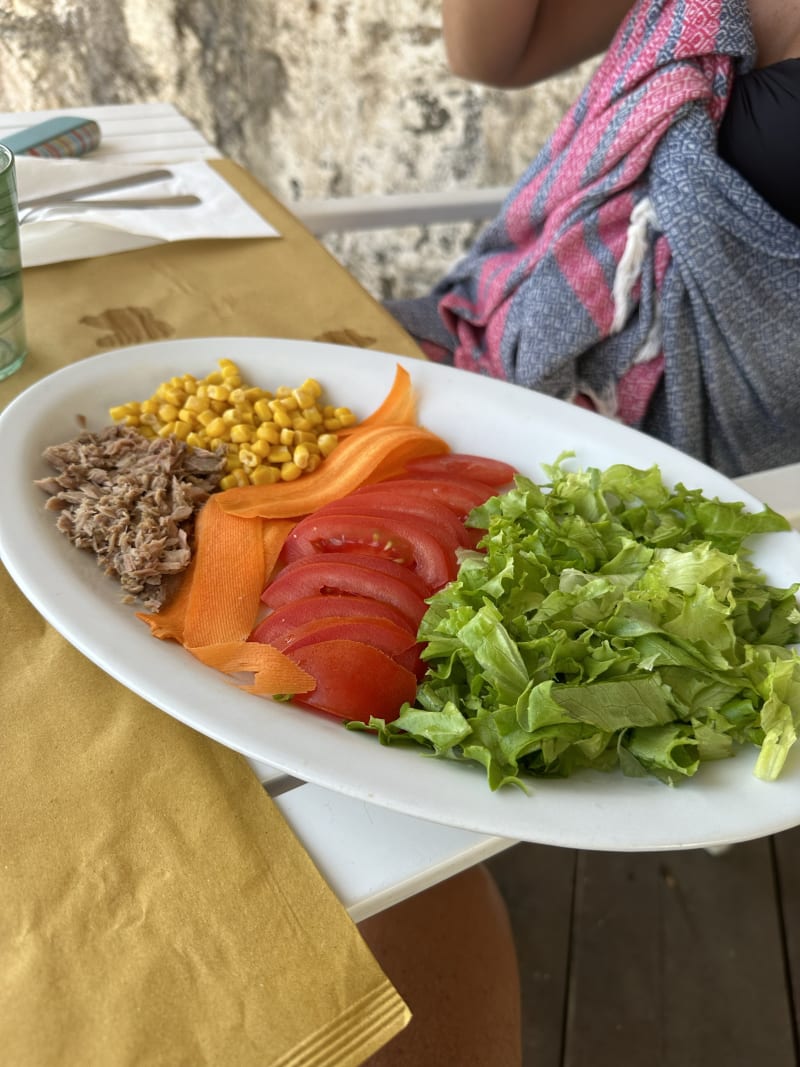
[132, 501]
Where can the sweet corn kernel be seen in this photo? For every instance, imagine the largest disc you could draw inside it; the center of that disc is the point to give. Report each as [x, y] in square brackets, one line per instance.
[269, 431]
[290, 472]
[249, 459]
[263, 410]
[216, 428]
[264, 475]
[327, 442]
[312, 415]
[301, 456]
[167, 413]
[241, 434]
[281, 417]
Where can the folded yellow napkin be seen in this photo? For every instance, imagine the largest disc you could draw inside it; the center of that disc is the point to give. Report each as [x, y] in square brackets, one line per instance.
[156, 908]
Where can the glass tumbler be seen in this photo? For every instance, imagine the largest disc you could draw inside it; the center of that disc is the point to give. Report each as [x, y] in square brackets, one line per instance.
[13, 346]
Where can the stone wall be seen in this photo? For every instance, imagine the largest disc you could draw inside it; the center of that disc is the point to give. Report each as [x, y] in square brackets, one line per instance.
[317, 98]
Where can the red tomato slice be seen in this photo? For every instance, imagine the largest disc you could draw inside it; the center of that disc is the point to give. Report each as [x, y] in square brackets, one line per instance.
[328, 574]
[461, 495]
[395, 641]
[413, 542]
[373, 563]
[392, 501]
[491, 472]
[354, 680]
[292, 617]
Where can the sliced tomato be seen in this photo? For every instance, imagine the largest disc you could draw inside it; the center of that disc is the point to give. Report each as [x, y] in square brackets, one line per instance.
[395, 641]
[493, 472]
[327, 574]
[289, 619]
[461, 495]
[413, 542]
[391, 501]
[374, 563]
[354, 680]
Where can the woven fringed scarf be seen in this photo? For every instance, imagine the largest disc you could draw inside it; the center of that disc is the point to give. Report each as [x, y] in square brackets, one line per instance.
[632, 270]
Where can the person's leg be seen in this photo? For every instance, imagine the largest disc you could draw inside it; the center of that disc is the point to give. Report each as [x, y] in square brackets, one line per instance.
[449, 952]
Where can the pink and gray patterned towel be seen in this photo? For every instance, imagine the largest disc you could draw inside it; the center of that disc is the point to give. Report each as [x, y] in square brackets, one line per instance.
[631, 270]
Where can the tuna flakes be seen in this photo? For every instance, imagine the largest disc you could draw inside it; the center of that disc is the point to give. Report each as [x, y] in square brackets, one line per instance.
[132, 501]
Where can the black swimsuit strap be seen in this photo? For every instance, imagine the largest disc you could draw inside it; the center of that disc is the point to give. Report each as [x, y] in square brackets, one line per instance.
[760, 133]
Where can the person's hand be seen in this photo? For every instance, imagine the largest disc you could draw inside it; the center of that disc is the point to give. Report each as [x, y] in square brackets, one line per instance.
[512, 43]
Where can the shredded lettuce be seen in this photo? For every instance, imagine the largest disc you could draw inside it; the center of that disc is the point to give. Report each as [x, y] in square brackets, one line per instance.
[608, 621]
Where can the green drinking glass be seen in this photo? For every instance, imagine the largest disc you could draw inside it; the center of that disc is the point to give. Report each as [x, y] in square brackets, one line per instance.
[13, 347]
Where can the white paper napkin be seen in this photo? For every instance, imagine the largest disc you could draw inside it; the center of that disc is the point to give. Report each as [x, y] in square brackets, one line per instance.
[59, 234]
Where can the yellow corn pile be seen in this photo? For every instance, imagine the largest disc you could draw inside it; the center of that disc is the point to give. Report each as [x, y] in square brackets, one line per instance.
[267, 437]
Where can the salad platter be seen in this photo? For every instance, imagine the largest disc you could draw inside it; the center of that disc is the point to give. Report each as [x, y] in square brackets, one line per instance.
[722, 804]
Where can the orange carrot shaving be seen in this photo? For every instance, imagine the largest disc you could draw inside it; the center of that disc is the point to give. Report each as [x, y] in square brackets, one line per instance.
[366, 456]
[168, 624]
[397, 409]
[280, 674]
[230, 573]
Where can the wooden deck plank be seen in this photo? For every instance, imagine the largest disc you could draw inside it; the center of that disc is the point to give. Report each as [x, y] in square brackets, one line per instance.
[787, 857]
[678, 960]
[537, 883]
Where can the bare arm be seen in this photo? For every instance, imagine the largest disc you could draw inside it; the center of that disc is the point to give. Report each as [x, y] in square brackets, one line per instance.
[511, 43]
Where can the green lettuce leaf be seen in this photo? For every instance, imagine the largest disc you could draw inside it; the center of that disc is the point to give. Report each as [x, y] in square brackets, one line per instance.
[608, 621]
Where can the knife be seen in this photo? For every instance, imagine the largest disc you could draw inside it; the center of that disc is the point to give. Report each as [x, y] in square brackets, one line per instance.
[99, 187]
[31, 213]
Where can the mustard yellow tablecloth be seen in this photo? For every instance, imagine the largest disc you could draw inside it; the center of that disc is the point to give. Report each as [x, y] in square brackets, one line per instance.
[155, 908]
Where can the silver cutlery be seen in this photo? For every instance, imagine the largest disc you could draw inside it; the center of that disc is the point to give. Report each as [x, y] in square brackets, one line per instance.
[144, 178]
[31, 213]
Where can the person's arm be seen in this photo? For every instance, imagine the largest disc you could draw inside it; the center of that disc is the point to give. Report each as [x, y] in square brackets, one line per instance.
[512, 43]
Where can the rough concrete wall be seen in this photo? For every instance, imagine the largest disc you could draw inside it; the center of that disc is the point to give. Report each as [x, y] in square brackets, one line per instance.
[317, 98]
